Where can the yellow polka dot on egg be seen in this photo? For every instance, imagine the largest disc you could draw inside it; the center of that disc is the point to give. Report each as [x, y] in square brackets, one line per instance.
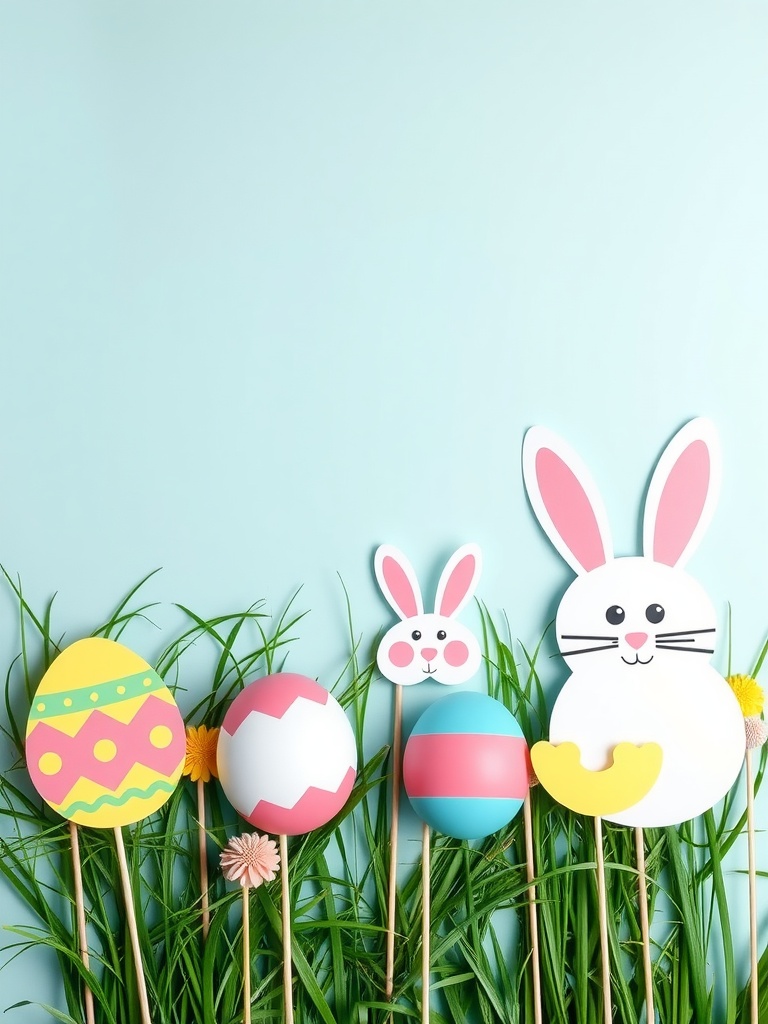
[121, 690]
[94, 697]
[104, 750]
[147, 682]
[41, 707]
[49, 764]
[67, 702]
[161, 737]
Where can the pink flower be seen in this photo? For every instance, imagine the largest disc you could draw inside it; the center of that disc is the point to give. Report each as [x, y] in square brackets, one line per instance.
[250, 859]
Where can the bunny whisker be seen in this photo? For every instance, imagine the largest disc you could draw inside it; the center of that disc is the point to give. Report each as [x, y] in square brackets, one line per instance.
[685, 632]
[589, 650]
[691, 650]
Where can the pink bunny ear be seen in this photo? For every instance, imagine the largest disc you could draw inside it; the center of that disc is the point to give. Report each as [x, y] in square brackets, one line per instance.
[682, 494]
[458, 580]
[397, 580]
[565, 501]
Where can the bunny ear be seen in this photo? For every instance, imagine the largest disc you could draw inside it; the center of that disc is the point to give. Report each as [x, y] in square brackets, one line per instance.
[682, 494]
[458, 580]
[397, 580]
[565, 501]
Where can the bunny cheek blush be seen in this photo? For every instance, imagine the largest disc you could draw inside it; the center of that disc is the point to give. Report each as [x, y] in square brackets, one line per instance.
[286, 754]
[466, 766]
[638, 633]
[428, 645]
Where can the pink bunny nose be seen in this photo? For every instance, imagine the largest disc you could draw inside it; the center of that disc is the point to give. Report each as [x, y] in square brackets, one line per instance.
[636, 640]
[428, 653]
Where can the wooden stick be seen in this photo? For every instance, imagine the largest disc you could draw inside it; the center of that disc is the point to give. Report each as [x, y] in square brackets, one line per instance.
[603, 920]
[246, 955]
[201, 837]
[286, 911]
[426, 906]
[642, 898]
[80, 916]
[533, 917]
[753, 979]
[397, 743]
[130, 911]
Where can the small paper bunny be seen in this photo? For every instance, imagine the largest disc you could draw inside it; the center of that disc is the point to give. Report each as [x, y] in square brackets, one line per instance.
[428, 645]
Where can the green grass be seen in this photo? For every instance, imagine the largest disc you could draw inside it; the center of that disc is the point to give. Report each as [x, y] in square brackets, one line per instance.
[480, 958]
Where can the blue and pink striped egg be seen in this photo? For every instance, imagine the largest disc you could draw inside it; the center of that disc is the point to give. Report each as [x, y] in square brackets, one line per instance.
[466, 767]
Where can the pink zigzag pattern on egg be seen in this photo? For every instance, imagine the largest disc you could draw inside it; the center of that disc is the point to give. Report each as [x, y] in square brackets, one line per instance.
[315, 808]
[131, 739]
[273, 696]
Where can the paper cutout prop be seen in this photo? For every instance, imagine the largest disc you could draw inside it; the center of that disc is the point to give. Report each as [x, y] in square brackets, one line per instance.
[631, 775]
[466, 766]
[638, 633]
[286, 755]
[428, 645]
[105, 740]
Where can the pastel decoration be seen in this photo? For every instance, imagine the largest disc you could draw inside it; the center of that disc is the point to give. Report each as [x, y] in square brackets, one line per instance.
[466, 766]
[430, 645]
[105, 740]
[638, 633]
[630, 777]
[287, 758]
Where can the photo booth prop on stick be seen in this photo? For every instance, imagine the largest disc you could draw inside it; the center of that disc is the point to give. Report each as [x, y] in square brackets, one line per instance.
[105, 747]
[287, 762]
[250, 860]
[420, 647]
[751, 701]
[643, 704]
[466, 771]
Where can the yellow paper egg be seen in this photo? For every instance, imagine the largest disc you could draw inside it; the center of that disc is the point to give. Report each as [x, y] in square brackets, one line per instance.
[105, 740]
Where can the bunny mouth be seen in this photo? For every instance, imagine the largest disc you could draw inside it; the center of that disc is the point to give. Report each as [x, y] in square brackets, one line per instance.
[429, 671]
[638, 660]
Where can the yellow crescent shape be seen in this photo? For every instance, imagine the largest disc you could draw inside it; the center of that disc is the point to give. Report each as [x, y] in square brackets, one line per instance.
[632, 775]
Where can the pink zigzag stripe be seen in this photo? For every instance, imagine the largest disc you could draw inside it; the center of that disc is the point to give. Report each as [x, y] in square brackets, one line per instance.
[315, 808]
[272, 696]
[131, 739]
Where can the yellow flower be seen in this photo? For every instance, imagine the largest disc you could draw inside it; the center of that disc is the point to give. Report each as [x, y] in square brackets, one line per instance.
[201, 753]
[748, 693]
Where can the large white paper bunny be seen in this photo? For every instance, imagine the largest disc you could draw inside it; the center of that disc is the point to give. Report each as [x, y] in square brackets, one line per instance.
[638, 633]
[428, 645]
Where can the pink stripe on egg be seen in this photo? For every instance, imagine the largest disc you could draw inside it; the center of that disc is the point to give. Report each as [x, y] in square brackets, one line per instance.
[313, 810]
[272, 696]
[460, 765]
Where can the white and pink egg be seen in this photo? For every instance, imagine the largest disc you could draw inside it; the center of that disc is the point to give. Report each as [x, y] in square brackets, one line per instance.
[286, 754]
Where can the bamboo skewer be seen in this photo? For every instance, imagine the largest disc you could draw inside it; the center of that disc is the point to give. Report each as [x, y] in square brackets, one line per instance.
[533, 917]
[397, 743]
[130, 911]
[603, 921]
[246, 955]
[642, 898]
[753, 978]
[80, 916]
[203, 857]
[285, 901]
[426, 908]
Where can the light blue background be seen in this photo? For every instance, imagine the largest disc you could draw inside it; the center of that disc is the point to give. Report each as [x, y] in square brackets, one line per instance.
[280, 282]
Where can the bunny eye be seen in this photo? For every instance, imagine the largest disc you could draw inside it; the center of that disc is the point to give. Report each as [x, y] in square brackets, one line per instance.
[441, 634]
[416, 634]
[615, 614]
[654, 613]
